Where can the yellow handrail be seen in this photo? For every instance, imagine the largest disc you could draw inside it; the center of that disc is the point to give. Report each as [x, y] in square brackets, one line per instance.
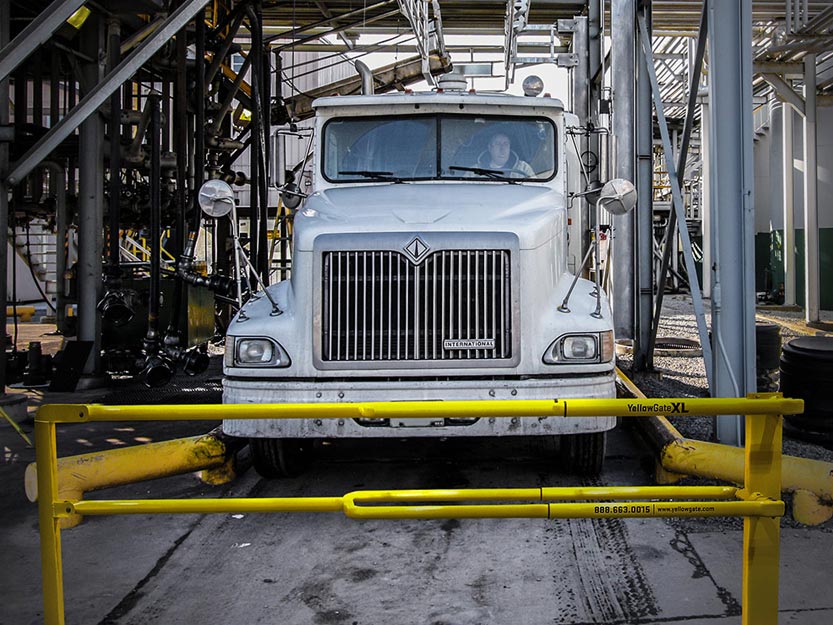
[760, 404]
[758, 501]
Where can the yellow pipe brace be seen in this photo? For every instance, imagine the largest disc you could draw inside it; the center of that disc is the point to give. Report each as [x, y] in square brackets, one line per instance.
[810, 480]
[88, 472]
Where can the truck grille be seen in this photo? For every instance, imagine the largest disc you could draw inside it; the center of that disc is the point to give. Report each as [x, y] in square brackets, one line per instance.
[378, 305]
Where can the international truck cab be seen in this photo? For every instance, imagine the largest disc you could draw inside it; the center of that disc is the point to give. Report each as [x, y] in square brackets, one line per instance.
[429, 262]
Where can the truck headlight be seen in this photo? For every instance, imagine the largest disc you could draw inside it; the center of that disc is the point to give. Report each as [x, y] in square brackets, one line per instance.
[574, 348]
[255, 352]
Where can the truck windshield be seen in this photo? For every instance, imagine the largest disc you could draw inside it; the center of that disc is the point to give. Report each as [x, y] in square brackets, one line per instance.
[457, 147]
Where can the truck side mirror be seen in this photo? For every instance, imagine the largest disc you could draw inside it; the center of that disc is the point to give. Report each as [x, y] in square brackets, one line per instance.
[291, 196]
[216, 198]
[618, 196]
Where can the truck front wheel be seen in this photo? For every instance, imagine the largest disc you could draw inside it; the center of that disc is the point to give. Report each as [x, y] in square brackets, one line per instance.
[583, 454]
[279, 457]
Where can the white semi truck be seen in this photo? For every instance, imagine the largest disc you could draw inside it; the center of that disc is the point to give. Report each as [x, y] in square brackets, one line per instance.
[429, 262]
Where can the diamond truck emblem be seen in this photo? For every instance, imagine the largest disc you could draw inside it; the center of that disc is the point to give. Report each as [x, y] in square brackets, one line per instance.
[416, 248]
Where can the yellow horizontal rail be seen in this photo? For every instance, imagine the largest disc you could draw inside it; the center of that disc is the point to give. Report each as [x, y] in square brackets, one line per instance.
[79, 413]
[456, 503]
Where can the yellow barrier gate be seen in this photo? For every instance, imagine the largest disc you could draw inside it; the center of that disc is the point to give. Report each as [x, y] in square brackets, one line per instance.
[758, 501]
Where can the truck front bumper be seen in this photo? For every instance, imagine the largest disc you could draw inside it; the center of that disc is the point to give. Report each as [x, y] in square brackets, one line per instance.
[238, 391]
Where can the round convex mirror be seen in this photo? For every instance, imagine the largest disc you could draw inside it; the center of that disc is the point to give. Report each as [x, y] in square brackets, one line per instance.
[216, 198]
[618, 196]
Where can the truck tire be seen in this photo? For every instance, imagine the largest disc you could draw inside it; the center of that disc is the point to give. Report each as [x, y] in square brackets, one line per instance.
[583, 454]
[279, 457]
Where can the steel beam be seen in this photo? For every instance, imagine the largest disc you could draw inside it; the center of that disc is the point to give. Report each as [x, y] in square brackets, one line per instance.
[580, 83]
[671, 229]
[788, 162]
[623, 41]
[36, 34]
[114, 184]
[811, 206]
[785, 91]
[90, 212]
[58, 184]
[98, 95]
[5, 19]
[642, 352]
[677, 196]
[733, 223]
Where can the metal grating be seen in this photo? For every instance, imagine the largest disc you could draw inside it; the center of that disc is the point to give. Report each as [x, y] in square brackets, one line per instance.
[380, 306]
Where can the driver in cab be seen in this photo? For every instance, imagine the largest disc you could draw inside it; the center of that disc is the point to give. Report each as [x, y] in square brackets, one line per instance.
[499, 156]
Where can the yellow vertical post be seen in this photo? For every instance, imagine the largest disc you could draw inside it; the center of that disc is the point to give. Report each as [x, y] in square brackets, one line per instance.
[46, 455]
[761, 535]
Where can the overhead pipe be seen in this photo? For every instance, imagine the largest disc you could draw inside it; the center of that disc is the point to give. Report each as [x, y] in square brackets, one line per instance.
[225, 106]
[810, 481]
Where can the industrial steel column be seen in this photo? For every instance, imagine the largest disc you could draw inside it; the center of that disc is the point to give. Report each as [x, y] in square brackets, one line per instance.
[580, 101]
[811, 205]
[731, 173]
[642, 353]
[594, 45]
[5, 17]
[706, 193]
[90, 206]
[623, 41]
[788, 162]
[255, 155]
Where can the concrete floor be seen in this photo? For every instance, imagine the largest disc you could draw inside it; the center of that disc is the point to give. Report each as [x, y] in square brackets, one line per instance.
[327, 569]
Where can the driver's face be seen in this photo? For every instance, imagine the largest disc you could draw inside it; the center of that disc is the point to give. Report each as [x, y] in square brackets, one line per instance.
[499, 150]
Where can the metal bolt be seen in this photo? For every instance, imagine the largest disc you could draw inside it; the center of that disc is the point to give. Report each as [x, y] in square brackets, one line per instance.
[514, 392]
[514, 420]
[318, 422]
[341, 394]
[491, 419]
[341, 421]
[318, 394]
[492, 393]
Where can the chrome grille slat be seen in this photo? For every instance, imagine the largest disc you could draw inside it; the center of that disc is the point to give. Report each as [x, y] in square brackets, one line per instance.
[371, 299]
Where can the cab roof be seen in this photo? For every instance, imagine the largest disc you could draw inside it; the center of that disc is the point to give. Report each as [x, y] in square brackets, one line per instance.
[438, 98]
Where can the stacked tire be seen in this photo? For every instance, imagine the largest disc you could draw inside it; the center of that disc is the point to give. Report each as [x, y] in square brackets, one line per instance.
[807, 373]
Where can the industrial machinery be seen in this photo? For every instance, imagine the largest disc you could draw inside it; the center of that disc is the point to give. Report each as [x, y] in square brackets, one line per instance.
[430, 262]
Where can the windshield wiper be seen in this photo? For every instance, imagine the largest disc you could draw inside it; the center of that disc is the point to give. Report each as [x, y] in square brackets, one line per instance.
[387, 176]
[494, 174]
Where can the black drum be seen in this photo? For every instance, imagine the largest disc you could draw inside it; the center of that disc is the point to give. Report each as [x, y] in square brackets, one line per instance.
[807, 373]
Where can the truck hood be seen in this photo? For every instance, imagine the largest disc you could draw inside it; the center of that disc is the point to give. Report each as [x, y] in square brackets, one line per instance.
[533, 212]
